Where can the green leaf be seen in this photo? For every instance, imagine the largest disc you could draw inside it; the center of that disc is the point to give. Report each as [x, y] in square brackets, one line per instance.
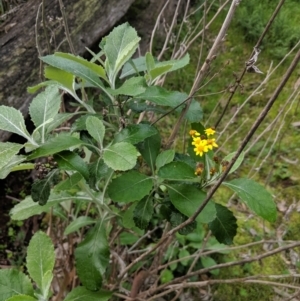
[92, 257]
[64, 78]
[194, 113]
[69, 183]
[158, 71]
[224, 226]
[127, 216]
[58, 120]
[164, 158]
[184, 253]
[135, 133]
[95, 128]
[44, 107]
[255, 196]
[119, 47]
[176, 64]
[28, 207]
[12, 120]
[150, 63]
[55, 145]
[149, 149]
[21, 298]
[40, 191]
[73, 162]
[46, 283]
[134, 66]
[80, 293]
[14, 282]
[10, 165]
[98, 170]
[131, 87]
[176, 218]
[77, 66]
[163, 97]
[120, 156]
[129, 187]
[78, 223]
[143, 212]
[187, 199]
[208, 262]
[7, 152]
[177, 171]
[40, 257]
[166, 276]
[237, 163]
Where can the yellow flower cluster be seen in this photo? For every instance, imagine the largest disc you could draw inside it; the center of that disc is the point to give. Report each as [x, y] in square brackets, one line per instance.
[203, 143]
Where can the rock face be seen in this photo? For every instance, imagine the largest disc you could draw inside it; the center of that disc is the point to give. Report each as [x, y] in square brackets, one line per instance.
[23, 37]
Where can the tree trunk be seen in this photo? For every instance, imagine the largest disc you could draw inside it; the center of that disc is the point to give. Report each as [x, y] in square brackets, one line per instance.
[25, 36]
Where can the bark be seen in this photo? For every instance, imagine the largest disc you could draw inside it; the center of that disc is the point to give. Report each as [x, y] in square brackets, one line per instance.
[88, 21]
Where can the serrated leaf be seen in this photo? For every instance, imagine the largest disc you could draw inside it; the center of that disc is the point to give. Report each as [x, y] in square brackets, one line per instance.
[194, 113]
[92, 257]
[28, 207]
[120, 156]
[149, 149]
[14, 282]
[208, 262]
[177, 171]
[96, 128]
[80, 293]
[78, 223]
[163, 97]
[135, 133]
[187, 199]
[40, 257]
[12, 120]
[143, 212]
[55, 145]
[21, 298]
[119, 47]
[164, 158]
[129, 187]
[224, 226]
[237, 163]
[131, 87]
[7, 151]
[255, 196]
[44, 107]
[71, 161]
[40, 191]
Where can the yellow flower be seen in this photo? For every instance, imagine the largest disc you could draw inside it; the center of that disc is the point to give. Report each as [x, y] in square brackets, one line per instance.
[211, 143]
[209, 132]
[196, 141]
[201, 148]
[193, 133]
